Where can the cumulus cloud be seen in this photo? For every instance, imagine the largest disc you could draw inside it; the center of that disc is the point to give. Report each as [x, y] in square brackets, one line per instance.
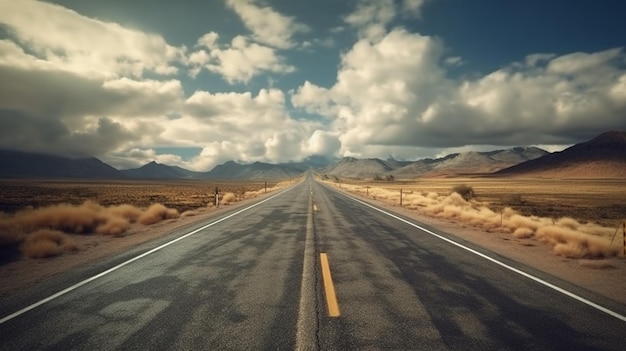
[393, 95]
[267, 25]
[413, 7]
[73, 85]
[238, 62]
[69, 108]
[371, 18]
[72, 42]
[240, 126]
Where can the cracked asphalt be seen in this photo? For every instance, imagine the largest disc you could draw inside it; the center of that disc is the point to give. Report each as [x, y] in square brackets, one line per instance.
[252, 281]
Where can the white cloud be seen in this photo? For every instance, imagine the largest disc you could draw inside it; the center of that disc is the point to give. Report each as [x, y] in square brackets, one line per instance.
[243, 127]
[267, 25]
[209, 40]
[240, 61]
[372, 18]
[69, 41]
[392, 96]
[413, 6]
[312, 98]
[73, 85]
[322, 142]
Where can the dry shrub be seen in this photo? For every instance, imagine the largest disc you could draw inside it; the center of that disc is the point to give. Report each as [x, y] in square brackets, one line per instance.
[129, 212]
[450, 211]
[89, 217]
[567, 236]
[157, 213]
[455, 199]
[466, 191]
[518, 221]
[67, 218]
[523, 233]
[574, 244]
[431, 195]
[47, 243]
[568, 223]
[114, 226]
[228, 198]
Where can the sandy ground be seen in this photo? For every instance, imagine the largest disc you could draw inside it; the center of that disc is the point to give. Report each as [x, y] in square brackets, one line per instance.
[606, 277]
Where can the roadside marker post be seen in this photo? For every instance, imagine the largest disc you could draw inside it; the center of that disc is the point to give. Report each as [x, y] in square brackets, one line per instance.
[400, 197]
[217, 198]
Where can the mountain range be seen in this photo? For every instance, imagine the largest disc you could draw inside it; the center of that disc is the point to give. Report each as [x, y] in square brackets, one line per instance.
[601, 157]
[454, 164]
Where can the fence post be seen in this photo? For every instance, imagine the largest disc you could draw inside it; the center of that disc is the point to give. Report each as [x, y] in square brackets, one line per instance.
[217, 198]
[624, 235]
[265, 186]
[400, 197]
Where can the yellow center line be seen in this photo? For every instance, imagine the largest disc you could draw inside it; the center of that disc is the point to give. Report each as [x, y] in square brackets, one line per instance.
[329, 288]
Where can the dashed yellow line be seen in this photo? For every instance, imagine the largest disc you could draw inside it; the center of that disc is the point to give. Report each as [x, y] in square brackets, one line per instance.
[329, 288]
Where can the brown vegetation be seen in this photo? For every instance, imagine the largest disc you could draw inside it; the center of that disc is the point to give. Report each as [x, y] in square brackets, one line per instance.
[537, 209]
[45, 243]
[42, 215]
[157, 213]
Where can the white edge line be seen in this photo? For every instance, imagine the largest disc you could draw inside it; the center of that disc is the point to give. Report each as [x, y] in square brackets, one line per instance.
[502, 264]
[112, 269]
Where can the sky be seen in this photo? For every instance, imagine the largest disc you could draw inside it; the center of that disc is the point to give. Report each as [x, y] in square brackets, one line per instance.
[197, 83]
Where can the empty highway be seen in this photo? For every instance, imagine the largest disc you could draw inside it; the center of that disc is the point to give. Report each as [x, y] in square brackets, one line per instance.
[313, 269]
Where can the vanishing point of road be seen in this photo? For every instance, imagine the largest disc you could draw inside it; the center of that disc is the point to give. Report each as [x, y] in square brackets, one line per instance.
[309, 269]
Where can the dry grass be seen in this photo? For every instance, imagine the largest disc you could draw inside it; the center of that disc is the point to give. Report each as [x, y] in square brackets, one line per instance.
[156, 213]
[41, 218]
[584, 237]
[228, 198]
[46, 243]
[182, 195]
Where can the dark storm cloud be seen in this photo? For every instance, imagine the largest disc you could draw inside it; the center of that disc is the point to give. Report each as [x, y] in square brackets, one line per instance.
[19, 131]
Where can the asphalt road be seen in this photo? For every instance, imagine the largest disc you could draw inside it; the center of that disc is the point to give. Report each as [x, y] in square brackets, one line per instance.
[252, 279]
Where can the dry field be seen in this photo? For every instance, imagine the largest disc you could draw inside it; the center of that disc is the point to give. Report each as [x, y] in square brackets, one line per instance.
[579, 218]
[45, 218]
[182, 195]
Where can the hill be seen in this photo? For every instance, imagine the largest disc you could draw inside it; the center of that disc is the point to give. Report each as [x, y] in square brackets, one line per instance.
[254, 171]
[601, 157]
[454, 164]
[154, 170]
[18, 164]
[358, 168]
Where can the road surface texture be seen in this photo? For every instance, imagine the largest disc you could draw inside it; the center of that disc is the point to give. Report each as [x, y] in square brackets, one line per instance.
[310, 269]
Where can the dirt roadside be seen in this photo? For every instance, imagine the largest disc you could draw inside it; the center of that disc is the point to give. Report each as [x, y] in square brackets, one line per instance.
[606, 277]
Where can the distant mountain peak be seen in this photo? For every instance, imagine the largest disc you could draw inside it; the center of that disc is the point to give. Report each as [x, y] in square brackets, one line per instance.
[610, 137]
[604, 156]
